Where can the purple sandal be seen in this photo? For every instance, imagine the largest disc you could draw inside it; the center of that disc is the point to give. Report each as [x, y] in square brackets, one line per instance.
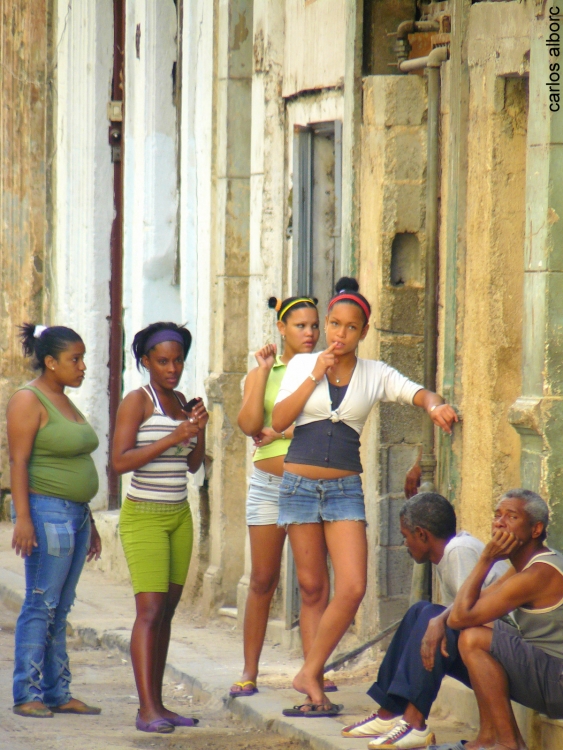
[183, 721]
[161, 726]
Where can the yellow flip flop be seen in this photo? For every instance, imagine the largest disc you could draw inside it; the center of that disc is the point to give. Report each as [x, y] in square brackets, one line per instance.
[248, 687]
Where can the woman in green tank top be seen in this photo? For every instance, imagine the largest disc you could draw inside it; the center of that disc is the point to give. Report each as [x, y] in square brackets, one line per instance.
[298, 324]
[53, 478]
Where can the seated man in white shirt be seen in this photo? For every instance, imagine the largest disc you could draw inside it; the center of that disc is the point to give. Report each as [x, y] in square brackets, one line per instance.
[423, 649]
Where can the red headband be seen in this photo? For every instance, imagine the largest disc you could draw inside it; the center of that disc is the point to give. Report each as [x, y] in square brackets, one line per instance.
[352, 297]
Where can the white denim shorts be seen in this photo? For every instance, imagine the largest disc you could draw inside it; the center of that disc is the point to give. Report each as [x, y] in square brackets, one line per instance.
[262, 508]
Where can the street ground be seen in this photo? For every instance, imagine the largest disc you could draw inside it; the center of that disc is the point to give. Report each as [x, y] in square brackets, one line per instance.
[205, 657]
[105, 678]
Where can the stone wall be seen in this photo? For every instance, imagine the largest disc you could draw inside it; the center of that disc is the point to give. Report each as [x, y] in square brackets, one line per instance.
[392, 256]
[482, 259]
[229, 301]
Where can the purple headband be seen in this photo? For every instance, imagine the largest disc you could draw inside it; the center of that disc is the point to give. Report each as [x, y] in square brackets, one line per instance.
[160, 336]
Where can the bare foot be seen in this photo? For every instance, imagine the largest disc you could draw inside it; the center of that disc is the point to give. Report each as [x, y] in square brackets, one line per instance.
[148, 716]
[479, 743]
[489, 743]
[311, 687]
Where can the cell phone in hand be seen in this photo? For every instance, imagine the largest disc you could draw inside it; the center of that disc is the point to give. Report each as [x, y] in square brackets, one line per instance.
[190, 405]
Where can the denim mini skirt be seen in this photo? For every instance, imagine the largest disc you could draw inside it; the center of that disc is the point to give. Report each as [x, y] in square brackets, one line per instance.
[304, 500]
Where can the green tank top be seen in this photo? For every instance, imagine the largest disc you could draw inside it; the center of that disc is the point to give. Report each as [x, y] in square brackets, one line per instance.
[60, 464]
[543, 627]
[278, 447]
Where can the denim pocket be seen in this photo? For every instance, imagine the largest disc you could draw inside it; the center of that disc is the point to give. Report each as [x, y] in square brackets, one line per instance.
[288, 489]
[60, 539]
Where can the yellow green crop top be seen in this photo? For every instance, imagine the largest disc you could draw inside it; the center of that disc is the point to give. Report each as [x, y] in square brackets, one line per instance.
[278, 447]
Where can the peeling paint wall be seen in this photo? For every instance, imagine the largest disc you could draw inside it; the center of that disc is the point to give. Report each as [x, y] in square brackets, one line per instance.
[228, 310]
[84, 203]
[150, 286]
[26, 99]
[196, 154]
[312, 29]
[489, 275]
[491, 358]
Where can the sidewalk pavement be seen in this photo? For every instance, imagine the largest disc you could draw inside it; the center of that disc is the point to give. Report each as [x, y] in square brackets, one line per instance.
[207, 658]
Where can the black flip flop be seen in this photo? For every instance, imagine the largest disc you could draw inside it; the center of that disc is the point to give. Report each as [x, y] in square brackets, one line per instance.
[315, 710]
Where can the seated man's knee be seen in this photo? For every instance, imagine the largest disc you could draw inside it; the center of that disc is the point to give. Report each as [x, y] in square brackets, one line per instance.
[474, 639]
[416, 610]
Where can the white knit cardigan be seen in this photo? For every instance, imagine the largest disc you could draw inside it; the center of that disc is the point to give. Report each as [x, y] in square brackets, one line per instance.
[371, 381]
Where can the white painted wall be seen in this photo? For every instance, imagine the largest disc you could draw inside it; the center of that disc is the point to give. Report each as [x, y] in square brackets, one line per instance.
[267, 179]
[195, 196]
[150, 292]
[195, 187]
[84, 202]
[315, 45]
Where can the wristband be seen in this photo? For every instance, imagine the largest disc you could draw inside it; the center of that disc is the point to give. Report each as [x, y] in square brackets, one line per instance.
[314, 379]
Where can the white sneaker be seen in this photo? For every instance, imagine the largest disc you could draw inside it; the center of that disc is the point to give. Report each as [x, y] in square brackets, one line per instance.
[405, 737]
[372, 726]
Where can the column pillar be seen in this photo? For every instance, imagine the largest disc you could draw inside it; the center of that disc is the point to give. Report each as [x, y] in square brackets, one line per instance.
[229, 299]
[267, 182]
[538, 414]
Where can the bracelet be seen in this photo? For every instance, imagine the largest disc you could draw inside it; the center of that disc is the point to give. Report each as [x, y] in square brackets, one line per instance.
[282, 433]
[434, 407]
[314, 379]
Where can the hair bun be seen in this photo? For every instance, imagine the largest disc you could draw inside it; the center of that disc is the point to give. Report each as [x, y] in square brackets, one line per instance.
[274, 304]
[38, 330]
[346, 284]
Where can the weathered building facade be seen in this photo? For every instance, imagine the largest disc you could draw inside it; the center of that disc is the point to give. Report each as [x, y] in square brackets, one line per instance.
[267, 148]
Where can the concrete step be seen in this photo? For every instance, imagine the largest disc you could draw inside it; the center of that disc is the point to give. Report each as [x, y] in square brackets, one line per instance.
[540, 732]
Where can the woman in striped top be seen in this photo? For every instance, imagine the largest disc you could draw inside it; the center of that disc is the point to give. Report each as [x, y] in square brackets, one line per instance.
[158, 438]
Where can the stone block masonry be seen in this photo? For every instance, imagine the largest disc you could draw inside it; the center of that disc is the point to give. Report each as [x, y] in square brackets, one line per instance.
[392, 248]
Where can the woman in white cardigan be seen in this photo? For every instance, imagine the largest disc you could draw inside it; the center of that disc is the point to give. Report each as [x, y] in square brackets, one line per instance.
[329, 396]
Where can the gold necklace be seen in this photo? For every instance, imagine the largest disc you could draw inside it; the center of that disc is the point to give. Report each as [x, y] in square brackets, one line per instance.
[337, 380]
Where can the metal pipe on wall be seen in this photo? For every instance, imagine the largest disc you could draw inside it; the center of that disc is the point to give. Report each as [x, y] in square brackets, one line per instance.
[115, 363]
[434, 61]
[421, 578]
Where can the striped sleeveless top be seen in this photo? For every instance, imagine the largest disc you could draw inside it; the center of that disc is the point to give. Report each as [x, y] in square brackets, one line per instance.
[164, 479]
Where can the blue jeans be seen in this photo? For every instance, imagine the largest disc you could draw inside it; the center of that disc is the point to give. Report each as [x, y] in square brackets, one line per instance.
[402, 678]
[62, 529]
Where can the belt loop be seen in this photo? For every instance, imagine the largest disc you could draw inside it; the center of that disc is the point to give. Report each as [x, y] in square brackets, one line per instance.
[340, 485]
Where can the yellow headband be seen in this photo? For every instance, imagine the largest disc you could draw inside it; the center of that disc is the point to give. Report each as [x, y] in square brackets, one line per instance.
[295, 302]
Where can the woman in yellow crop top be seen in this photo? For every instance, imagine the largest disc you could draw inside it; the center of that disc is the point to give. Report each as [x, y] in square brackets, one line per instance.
[53, 479]
[298, 324]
